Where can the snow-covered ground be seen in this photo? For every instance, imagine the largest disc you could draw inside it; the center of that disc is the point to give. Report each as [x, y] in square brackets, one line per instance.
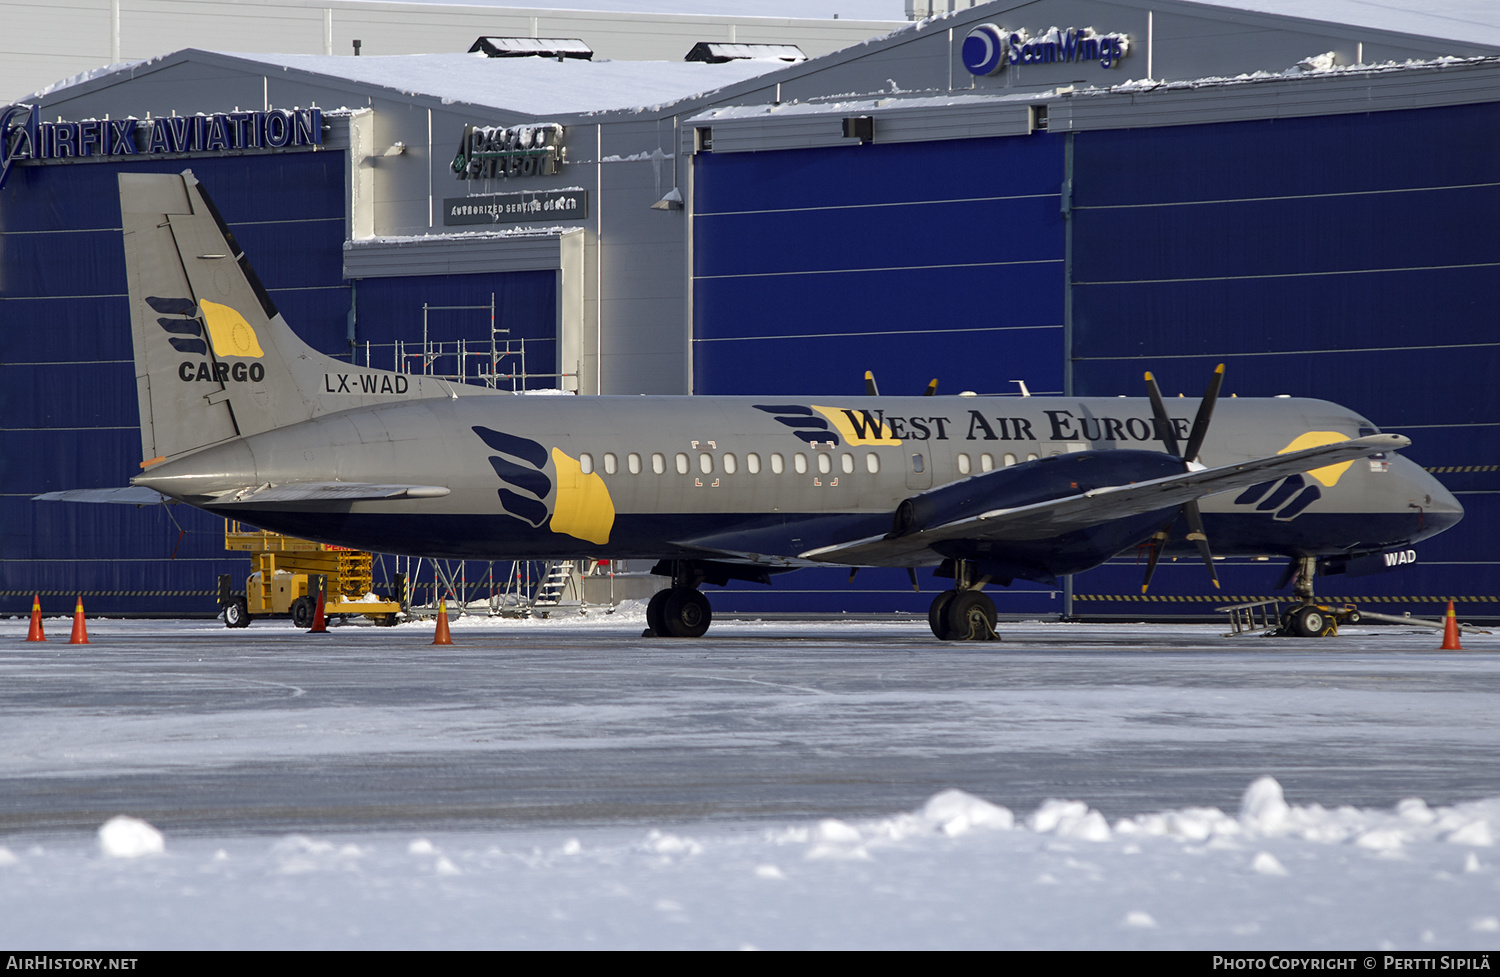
[1271, 870]
[956, 873]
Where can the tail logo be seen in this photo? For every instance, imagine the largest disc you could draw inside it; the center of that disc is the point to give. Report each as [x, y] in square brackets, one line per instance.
[192, 328]
[229, 332]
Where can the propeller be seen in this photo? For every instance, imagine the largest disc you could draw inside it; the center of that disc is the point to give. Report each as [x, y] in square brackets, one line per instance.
[1189, 455]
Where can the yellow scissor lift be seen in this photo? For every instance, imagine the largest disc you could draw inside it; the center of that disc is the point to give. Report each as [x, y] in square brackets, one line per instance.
[285, 580]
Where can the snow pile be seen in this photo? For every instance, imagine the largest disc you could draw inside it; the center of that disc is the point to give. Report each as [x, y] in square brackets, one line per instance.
[125, 837]
[958, 871]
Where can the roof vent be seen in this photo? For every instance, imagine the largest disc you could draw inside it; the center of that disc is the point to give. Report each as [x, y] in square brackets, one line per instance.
[533, 47]
[714, 52]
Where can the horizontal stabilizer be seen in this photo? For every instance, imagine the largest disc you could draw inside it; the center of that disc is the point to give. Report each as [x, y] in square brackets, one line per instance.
[1056, 517]
[329, 492]
[129, 495]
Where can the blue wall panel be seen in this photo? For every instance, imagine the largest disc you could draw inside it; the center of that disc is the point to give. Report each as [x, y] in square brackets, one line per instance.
[929, 235]
[1440, 147]
[1363, 273]
[68, 410]
[877, 173]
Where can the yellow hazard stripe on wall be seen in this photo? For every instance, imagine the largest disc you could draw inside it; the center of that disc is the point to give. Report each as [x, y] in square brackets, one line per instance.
[1320, 598]
[109, 593]
[1445, 469]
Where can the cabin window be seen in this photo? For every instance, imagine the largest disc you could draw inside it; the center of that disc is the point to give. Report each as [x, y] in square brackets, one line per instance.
[611, 464]
[846, 462]
[658, 462]
[752, 463]
[799, 463]
[586, 463]
[633, 462]
[1010, 459]
[986, 462]
[872, 463]
[730, 465]
[918, 464]
[1031, 456]
[963, 464]
[682, 463]
[777, 464]
[825, 464]
[706, 463]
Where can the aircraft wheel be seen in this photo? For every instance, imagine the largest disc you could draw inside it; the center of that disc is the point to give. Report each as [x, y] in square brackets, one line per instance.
[236, 613]
[655, 624]
[971, 617]
[1309, 622]
[937, 614]
[302, 612]
[686, 613]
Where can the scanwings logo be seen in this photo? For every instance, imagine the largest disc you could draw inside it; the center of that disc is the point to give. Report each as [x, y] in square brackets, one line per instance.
[581, 507]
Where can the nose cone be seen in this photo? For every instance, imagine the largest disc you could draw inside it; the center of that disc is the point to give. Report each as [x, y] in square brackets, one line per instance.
[1437, 507]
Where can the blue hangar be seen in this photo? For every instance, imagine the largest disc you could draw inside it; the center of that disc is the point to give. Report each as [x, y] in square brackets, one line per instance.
[1049, 197]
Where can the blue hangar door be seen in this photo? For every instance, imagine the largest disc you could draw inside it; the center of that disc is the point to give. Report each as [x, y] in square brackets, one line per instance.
[1354, 258]
[913, 260]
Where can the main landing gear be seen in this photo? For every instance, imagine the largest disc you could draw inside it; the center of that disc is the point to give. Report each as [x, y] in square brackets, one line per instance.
[964, 613]
[680, 611]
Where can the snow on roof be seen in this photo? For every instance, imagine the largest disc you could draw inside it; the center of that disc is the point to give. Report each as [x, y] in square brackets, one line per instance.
[1474, 21]
[533, 86]
[529, 86]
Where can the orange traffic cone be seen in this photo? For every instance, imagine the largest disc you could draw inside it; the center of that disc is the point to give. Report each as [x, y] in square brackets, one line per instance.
[80, 632]
[1450, 632]
[35, 634]
[319, 625]
[442, 637]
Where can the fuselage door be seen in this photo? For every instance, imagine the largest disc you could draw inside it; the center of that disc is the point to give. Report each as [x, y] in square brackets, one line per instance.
[918, 470]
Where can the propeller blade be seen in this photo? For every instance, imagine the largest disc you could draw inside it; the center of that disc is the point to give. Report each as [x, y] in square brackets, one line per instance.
[852, 572]
[1159, 412]
[1287, 574]
[931, 388]
[1157, 544]
[1195, 527]
[871, 390]
[912, 573]
[1205, 412]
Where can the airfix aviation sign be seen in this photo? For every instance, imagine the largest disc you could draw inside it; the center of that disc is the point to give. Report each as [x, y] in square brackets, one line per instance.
[988, 48]
[24, 136]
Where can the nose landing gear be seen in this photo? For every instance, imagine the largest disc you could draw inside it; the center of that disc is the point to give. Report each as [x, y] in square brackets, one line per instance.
[1307, 618]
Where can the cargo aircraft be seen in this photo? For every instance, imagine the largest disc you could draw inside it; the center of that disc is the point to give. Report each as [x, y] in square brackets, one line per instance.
[241, 418]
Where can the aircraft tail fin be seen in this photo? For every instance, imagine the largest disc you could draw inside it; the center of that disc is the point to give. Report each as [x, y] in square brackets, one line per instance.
[214, 359]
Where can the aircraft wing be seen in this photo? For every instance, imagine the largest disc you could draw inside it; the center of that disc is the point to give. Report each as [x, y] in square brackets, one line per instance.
[329, 492]
[1045, 520]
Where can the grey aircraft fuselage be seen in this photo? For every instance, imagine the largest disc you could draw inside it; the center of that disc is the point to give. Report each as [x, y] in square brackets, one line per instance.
[240, 417]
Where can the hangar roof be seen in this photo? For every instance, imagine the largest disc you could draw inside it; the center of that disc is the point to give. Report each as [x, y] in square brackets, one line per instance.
[1464, 20]
[534, 86]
